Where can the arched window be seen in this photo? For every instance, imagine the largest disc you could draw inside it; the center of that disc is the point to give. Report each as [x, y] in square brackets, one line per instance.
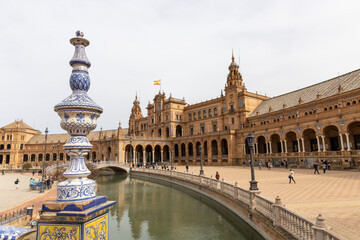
[190, 117]
[210, 113]
[215, 112]
[204, 113]
[199, 115]
[8, 146]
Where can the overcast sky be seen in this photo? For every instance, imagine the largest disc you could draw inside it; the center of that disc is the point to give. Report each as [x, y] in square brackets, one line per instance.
[282, 46]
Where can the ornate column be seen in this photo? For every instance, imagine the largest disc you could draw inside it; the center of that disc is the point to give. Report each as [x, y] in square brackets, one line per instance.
[270, 147]
[303, 144]
[256, 149]
[347, 141]
[323, 141]
[318, 142]
[153, 156]
[267, 147]
[285, 143]
[161, 156]
[299, 146]
[77, 213]
[282, 147]
[144, 157]
[341, 141]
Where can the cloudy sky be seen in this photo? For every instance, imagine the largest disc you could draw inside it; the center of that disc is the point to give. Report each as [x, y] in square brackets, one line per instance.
[282, 46]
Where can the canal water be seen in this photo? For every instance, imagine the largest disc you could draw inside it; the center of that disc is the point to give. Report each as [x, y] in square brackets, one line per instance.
[149, 210]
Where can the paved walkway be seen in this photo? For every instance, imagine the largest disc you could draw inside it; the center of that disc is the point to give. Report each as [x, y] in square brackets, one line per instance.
[336, 194]
[12, 199]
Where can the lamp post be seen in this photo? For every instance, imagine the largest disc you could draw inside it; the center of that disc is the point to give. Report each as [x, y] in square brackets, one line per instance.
[42, 187]
[171, 162]
[250, 140]
[22, 164]
[130, 151]
[52, 153]
[201, 166]
[57, 161]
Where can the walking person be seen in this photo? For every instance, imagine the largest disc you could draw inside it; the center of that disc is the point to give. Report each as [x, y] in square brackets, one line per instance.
[316, 167]
[3, 172]
[291, 176]
[217, 176]
[187, 168]
[17, 183]
[259, 165]
[286, 164]
[243, 163]
[324, 167]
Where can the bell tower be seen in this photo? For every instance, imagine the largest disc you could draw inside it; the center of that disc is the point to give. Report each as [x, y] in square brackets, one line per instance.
[134, 117]
[234, 78]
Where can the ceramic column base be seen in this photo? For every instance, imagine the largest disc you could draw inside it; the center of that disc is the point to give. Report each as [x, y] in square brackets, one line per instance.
[78, 189]
[76, 220]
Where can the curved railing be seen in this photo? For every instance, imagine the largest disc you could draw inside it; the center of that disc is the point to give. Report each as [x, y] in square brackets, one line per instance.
[295, 225]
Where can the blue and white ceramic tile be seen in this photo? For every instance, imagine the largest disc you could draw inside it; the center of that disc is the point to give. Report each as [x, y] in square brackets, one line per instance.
[78, 114]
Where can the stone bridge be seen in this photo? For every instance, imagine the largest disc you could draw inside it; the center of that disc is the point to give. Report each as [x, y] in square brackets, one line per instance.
[114, 165]
[117, 167]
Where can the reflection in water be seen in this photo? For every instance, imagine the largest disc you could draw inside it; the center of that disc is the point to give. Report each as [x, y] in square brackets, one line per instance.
[147, 210]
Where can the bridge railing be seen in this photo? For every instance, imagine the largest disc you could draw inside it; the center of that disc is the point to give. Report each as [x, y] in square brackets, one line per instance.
[295, 225]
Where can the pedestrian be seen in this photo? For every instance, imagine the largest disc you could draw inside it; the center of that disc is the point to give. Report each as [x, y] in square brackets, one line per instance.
[329, 165]
[3, 172]
[217, 176]
[324, 167]
[316, 167]
[259, 165]
[33, 173]
[286, 164]
[243, 163]
[187, 168]
[291, 176]
[17, 183]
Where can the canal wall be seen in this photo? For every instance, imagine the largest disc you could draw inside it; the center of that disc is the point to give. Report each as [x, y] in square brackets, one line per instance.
[270, 219]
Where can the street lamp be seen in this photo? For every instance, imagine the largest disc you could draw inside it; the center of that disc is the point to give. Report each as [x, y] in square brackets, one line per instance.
[42, 187]
[130, 155]
[201, 166]
[22, 165]
[250, 140]
[52, 153]
[57, 161]
[171, 162]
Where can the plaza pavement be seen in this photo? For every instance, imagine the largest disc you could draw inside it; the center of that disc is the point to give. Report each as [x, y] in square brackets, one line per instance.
[12, 199]
[336, 194]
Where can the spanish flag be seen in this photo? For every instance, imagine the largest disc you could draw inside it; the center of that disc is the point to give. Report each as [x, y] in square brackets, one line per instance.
[157, 82]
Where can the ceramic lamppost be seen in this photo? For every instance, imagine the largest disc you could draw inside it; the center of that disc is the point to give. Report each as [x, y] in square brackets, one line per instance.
[77, 213]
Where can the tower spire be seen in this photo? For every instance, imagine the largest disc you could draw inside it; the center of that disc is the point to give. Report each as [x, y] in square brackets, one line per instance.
[234, 77]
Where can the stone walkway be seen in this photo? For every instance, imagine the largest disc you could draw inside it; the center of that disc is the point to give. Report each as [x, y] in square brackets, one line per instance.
[12, 199]
[336, 194]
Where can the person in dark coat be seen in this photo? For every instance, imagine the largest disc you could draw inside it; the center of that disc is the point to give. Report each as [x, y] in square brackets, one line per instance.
[316, 167]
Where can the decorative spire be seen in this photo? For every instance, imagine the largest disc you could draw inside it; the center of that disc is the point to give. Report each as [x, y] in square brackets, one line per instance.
[78, 114]
[234, 77]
